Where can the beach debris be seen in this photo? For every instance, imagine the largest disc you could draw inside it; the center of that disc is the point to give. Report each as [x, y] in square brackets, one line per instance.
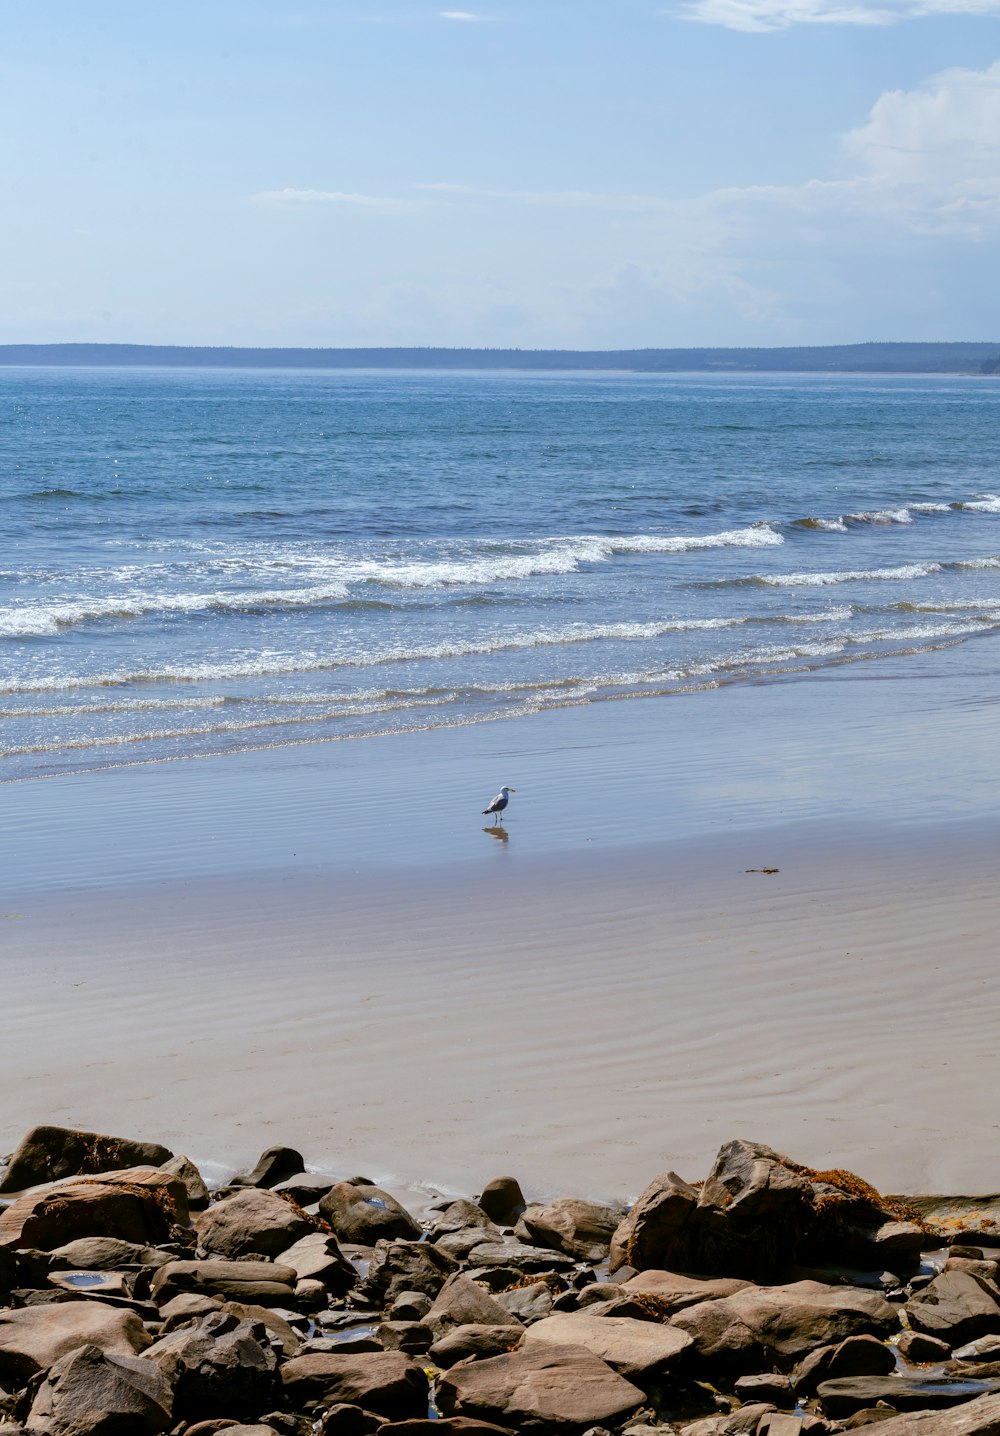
[709, 1308]
[762, 870]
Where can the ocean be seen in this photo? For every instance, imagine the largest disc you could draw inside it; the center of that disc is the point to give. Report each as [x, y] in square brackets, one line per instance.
[202, 562]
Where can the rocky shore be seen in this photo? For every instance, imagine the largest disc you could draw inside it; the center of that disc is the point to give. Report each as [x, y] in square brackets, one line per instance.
[767, 1298]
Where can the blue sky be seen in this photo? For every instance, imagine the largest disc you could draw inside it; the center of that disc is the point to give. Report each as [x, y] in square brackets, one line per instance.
[574, 173]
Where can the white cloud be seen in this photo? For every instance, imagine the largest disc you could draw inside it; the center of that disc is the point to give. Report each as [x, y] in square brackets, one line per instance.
[294, 197]
[465, 15]
[762, 15]
[560, 198]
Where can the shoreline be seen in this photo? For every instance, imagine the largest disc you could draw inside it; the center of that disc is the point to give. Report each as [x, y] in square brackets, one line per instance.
[337, 952]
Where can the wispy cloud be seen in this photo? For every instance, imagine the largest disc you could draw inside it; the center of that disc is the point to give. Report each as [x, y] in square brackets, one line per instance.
[560, 198]
[466, 15]
[388, 204]
[763, 15]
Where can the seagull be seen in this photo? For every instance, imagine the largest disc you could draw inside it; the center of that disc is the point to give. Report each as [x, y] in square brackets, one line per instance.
[499, 803]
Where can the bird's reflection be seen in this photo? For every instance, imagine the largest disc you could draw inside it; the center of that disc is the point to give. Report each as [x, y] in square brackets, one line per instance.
[498, 831]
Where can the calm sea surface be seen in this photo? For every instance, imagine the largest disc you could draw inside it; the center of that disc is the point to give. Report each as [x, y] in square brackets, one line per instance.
[202, 562]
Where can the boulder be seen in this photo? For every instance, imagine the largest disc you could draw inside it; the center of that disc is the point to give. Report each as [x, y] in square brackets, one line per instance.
[769, 1386]
[757, 1213]
[846, 1394]
[979, 1418]
[462, 1302]
[642, 1351]
[761, 1326]
[277, 1328]
[955, 1307]
[986, 1348]
[365, 1213]
[502, 1200]
[857, 1356]
[582, 1230]
[261, 1281]
[317, 1257]
[386, 1382]
[33, 1338]
[547, 1389]
[399, 1266]
[916, 1347]
[220, 1366]
[91, 1393]
[306, 1188]
[474, 1341]
[461, 1228]
[274, 1165]
[509, 1252]
[185, 1170]
[47, 1154]
[410, 1306]
[139, 1212]
[412, 1337]
[251, 1222]
[649, 1234]
[345, 1419]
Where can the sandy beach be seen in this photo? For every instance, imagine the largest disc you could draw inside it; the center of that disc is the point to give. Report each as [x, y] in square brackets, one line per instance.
[323, 946]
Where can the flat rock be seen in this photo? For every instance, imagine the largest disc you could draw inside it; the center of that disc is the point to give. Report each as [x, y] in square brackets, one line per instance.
[253, 1221]
[956, 1307]
[133, 1211]
[33, 1338]
[547, 1389]
[583, 1230]
[638, 1350]
[527, 1303]
[445, 1426]
[365, 1213]
[846, 1394]
[979, 1418]
[762, 1325]
[261, 1281]
[317, 1257]
[90, 1391]
[47, 1154]
[675, 1291]
[386, 1382]
[478, 1341]
[737, 1423]
[513, 1253]
[105, 1254]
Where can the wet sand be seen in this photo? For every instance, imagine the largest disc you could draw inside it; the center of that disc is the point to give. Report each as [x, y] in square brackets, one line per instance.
[325, 947]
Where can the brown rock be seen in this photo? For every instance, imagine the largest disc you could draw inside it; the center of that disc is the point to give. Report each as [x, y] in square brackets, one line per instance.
[33, 1338]
[527, 1303]
[462, 1302]
[47, 1154]
[135, 1212]
[502, 1200]
[979, 1418]
[737, 1423]
[105, 1254]
[220, 1366]
[845, 1395]
[580, 1229]
[386, 1382]
[475, 1341]
[317, 1257]
[548, 1389]
[251, 1222]
[400, 1266]
[91, 1393]
[857, 1356]
[446, 1426]
[185, 1170]
[759, 1326]
[650, 1233]
[641, 1351]
[263, 1281]
[955, 1307]
[673, 1291]
[363, 1213]
[915, 1346]
[274, 1165]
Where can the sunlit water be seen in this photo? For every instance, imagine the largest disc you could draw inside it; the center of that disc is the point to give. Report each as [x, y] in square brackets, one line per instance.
[202, 562]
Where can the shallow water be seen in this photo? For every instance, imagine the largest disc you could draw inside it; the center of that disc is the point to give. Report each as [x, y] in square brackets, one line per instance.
[207, 562]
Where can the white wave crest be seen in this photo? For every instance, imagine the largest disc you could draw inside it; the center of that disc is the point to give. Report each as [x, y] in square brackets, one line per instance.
[881, 516]
[985, 504]
[993, 562]
[853, 575]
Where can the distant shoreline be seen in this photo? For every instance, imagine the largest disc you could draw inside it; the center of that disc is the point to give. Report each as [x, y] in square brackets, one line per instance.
[889, 358]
